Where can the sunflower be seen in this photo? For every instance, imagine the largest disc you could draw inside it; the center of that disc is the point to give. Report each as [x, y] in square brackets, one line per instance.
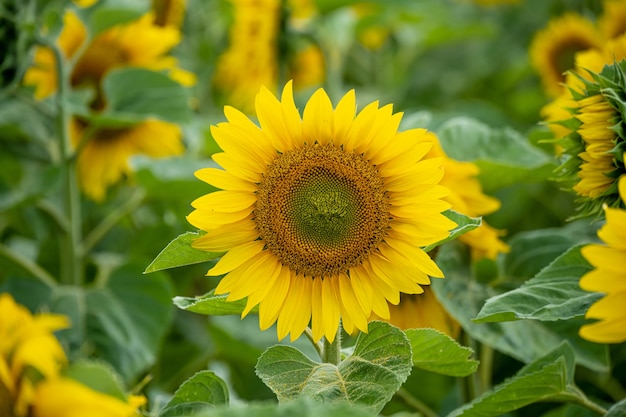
[608, 277]
[31, 360]
[307, 67]
[251, 59]
[140, 43]
[322, 216]
[612, 23]
[593, 144]
[103, 160]
[552, 49]
[467, 197]
[416, 311]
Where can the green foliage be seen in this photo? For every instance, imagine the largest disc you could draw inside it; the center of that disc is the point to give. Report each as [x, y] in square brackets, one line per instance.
[211, 304]
[380, 363]
[99, 376]
[204, 390]
[437, 352]
[464, 224]
[550, 377]
[553, 294]
[302, 407]
[179, 253]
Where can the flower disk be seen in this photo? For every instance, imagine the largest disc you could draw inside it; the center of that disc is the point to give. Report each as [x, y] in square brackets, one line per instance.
[321, 216]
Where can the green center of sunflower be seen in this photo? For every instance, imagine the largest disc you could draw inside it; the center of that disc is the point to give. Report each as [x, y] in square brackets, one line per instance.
[321, 210]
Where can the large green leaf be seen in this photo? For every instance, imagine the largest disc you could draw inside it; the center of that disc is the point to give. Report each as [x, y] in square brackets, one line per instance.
[135, 94]
[525, 340]
[202, 391]
[504, 156]
[301, 407]
[99, 376]
[211, 304]
[437, 352]
[379, 365]
[554, 294]
[180, 253]
[548, 378]
[618, 410]
[122, 322]
[464, 224]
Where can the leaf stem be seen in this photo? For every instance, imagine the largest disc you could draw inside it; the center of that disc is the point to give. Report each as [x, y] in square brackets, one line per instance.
[587, 403]
[416, 403]
[331, 352]
[72, 263]
[317, 345]
[27, 265]
[486, 367]
[111, 220]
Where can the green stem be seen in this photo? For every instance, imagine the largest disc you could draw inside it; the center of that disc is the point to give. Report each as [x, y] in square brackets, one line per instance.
[587, 403]
[416, 403]
[72, 262]
[331, 353]
[486, 367]
[111, 220]
[317, 345]
[29, 266]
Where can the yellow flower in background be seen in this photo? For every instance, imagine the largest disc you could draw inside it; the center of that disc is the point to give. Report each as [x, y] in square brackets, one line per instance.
[372, 35]
[416, 311]
[140, 43]
[322, 216]
[553, 49]
[27, 344]
[307, 68]
[467, 197]
[612, 23]
[169, 12]
[104, 159]
[68, 398]
[85, 3]
[251, 59]
[608, 277]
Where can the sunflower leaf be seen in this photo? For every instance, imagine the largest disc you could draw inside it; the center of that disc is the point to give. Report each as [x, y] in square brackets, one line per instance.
[553, 294]
[380, 364]
[548, 378]
[203, 391]
[135, 94]
[437, 352]
[464, 224]
[211, 304]
[180, 253]
[618, 409]
[504, 156]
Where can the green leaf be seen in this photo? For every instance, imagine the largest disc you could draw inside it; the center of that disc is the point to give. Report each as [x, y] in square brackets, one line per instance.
[618, 410]
[525, 340]
[435, 351]
[204, 390]
[301, 407]
[180, 253]
[464, 224]
[504, 156]
[211, 304]
[554, 294]
[548, 378]
[123, 321]
[106, 17]
[135, 94]
[99, 376]
[379, 365]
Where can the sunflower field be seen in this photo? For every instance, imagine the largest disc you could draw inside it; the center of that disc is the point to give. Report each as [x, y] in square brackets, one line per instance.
[335, 208]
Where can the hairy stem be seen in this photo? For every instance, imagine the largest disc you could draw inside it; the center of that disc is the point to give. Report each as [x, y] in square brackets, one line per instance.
[331, 353]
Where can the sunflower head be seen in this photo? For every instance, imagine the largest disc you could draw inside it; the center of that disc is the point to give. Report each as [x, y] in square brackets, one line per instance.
[553, 49]
[612, 23]
[594, 149]
[321, 216]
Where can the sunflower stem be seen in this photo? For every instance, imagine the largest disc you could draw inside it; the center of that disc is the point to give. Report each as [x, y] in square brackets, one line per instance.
[316, 345]
[72, 262]
[416, 403]
[331, 352]
[29, 266]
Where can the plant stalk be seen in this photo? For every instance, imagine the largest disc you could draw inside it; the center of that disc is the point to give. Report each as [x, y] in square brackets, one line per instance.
[331, 352]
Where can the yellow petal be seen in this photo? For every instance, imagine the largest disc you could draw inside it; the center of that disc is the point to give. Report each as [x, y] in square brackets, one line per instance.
[235, 257]
[224, 180]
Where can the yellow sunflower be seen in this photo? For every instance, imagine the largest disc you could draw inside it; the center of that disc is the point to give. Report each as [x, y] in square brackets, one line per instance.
[416, 311]
[27, 344]
[608, 277]
[251, 59]
[104, 159]
[322, 216]
[552, 49]
[467, 197]
[612, 23]
[307, 67]
[140, 43]
[169, 12]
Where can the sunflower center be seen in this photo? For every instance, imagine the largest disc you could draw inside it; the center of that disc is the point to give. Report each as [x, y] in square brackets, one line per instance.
[321, 210]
